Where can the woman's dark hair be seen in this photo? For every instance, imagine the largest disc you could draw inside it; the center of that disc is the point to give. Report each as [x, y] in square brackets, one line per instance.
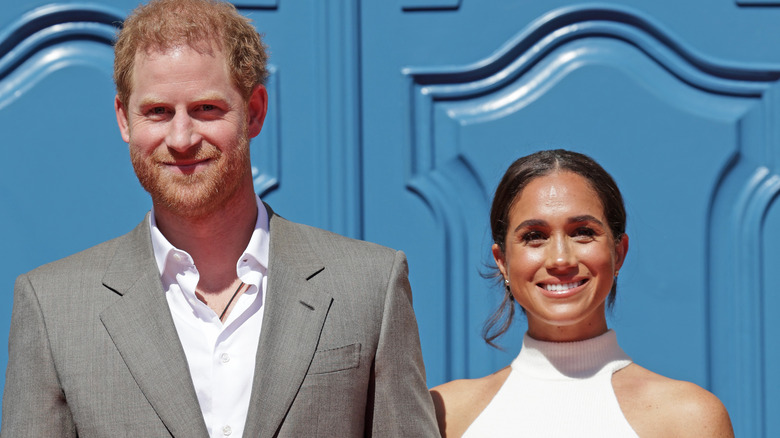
[516, 178]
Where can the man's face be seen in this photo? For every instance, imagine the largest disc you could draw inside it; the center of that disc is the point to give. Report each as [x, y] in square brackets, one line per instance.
[188, 129]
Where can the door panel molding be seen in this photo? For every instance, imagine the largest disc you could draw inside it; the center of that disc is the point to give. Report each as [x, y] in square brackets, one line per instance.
[266, 149]
[42, 41]
[758, 2]
[444, 99]
[429, 5]
[257, 4]
[339, 120]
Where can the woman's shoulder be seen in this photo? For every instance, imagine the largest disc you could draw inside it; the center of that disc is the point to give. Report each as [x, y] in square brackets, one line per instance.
[655, 405]
[459, 402]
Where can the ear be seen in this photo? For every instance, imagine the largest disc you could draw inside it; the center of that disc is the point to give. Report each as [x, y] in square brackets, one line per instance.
[256, 110]
[121, 119]
[500, 258]
[621, 249]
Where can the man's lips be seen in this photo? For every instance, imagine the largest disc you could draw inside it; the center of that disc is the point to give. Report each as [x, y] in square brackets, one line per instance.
[187, 165]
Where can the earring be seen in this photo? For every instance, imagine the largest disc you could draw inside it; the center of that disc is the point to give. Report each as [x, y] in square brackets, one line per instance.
[616, 274]
[506, 285]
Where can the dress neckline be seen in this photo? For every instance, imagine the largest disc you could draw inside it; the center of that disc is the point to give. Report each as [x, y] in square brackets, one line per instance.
[570, 360]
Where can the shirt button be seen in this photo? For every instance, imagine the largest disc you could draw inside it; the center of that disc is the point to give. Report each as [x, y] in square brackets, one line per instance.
[227, 430]
[225, 358]
[177, 257]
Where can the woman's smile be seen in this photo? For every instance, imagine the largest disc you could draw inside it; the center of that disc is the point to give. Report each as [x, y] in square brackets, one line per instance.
[562, 290]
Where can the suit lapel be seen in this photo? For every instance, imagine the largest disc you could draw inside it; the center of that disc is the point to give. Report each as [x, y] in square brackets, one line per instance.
[142, 329]
[292, 322]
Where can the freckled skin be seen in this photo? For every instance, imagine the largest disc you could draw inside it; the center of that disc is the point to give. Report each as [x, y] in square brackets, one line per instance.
[558, 234]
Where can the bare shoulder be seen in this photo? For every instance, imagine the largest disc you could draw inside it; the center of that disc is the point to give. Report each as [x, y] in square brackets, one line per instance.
[655, 405]
[459, 403]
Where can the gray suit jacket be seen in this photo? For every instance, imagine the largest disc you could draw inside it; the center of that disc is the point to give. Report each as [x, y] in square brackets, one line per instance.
[93, 351]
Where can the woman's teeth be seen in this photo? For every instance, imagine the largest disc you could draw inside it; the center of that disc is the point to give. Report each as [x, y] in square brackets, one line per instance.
[562, 287]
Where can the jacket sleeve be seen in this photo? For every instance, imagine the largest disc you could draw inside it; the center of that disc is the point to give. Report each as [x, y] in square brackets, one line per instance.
[399, 402]
[34, 404]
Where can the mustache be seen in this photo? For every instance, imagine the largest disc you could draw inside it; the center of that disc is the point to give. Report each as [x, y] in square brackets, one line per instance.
[203, 151]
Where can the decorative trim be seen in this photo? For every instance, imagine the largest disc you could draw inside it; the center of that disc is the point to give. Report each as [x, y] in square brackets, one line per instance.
[758, 2]
[256, 4]
[736, 265]
[266, 155]
[339, 125]
[429, 5]
[564, 25]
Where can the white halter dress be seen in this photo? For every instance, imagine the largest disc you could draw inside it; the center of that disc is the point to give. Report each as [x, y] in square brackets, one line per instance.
[558, 389]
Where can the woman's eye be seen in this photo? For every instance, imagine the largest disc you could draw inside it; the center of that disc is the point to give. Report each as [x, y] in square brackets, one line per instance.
[208, 107]
[533, 237]
[585, 232]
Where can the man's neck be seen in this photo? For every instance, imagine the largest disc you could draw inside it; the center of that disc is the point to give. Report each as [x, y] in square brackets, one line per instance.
[215, 240]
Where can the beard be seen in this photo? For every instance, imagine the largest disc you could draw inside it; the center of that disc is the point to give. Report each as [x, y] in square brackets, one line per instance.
[199, 193]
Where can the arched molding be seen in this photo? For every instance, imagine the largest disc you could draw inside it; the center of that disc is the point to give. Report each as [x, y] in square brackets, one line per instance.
[53, 37]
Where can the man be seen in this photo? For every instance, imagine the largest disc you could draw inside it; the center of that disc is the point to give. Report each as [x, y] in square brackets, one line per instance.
[213, 317]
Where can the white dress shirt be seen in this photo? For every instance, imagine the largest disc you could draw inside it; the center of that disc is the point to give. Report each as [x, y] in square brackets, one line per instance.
[221, 356]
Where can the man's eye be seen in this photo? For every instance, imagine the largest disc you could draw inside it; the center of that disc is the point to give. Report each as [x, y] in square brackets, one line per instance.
[158, 110]
[208, 107]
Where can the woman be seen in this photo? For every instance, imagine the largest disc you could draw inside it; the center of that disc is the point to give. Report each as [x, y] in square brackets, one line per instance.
[558, 224]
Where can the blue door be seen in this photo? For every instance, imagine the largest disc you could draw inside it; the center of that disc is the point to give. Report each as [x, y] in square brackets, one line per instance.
[392, 121]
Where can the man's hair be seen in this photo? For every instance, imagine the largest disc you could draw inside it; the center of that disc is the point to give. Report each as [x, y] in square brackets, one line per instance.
[200, 24]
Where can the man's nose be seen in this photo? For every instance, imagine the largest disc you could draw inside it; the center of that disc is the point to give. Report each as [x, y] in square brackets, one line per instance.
[181, 132]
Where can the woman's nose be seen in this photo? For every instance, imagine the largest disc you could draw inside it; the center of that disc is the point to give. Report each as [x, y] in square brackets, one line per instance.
[560, 254]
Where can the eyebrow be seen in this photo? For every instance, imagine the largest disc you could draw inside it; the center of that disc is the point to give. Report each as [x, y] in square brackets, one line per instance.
[149, 101]
[210, 96]
[572, 220]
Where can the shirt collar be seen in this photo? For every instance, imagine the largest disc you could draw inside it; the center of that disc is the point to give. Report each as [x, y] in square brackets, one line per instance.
[250, 267]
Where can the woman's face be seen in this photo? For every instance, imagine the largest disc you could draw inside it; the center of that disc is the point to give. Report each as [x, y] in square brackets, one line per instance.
[560, 257]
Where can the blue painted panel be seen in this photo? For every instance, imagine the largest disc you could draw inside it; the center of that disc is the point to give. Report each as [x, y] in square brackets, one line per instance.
[680, 112]
[314, 129]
